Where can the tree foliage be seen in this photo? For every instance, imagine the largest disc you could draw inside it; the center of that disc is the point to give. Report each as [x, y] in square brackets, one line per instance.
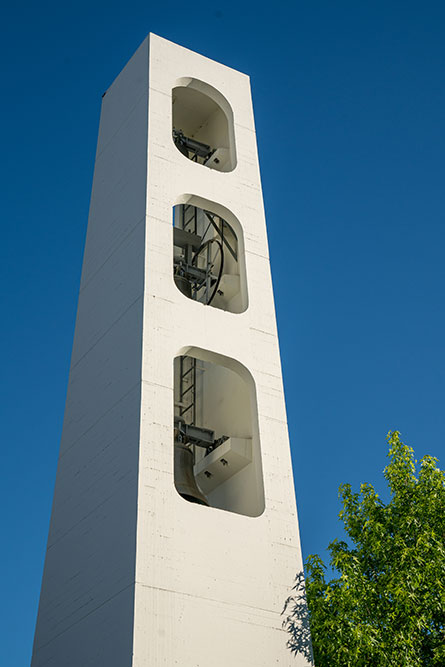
[386, 607]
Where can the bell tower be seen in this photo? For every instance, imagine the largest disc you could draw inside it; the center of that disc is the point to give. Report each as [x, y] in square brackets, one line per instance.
[174, 536]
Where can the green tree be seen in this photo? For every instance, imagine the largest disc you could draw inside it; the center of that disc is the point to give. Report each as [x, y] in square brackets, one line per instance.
[386, 607]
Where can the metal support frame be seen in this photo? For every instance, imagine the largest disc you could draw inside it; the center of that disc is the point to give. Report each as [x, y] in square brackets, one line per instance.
[192, 149]
[197, 436]
[187, 432]
[220, 230]
[203, 282]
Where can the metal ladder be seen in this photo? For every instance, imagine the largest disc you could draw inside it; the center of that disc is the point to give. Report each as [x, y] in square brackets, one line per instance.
[189, 218]
[187, 389]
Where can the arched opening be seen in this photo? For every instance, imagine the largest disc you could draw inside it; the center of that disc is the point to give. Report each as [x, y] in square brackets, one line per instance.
[203, 125]
[208, 255]
[217, 459]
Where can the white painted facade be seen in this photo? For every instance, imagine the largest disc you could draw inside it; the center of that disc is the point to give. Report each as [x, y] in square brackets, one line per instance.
[136, 576]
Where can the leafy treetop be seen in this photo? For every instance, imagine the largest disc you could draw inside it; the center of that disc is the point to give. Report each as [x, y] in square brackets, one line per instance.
[386, 607]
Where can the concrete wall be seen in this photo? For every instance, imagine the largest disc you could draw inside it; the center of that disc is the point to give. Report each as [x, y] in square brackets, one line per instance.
[86, 606]
[134, 574]
[211, 584]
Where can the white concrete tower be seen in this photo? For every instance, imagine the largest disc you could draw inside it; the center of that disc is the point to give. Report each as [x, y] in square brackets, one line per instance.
[174, 536]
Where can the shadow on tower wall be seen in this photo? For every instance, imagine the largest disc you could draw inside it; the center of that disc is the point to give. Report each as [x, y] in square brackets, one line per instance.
[296, 621]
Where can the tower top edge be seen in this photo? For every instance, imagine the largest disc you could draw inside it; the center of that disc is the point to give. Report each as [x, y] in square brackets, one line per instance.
[154, 37]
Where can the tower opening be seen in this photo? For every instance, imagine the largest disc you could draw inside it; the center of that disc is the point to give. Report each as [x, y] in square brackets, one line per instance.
[208, 259]
[217, 459]
[203, 125]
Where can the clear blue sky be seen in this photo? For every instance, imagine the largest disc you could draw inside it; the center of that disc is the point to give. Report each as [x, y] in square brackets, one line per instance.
[349, 100]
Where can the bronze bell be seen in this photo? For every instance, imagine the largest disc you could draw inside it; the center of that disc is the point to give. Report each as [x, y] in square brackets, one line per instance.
[184, 478]
[184, 285]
